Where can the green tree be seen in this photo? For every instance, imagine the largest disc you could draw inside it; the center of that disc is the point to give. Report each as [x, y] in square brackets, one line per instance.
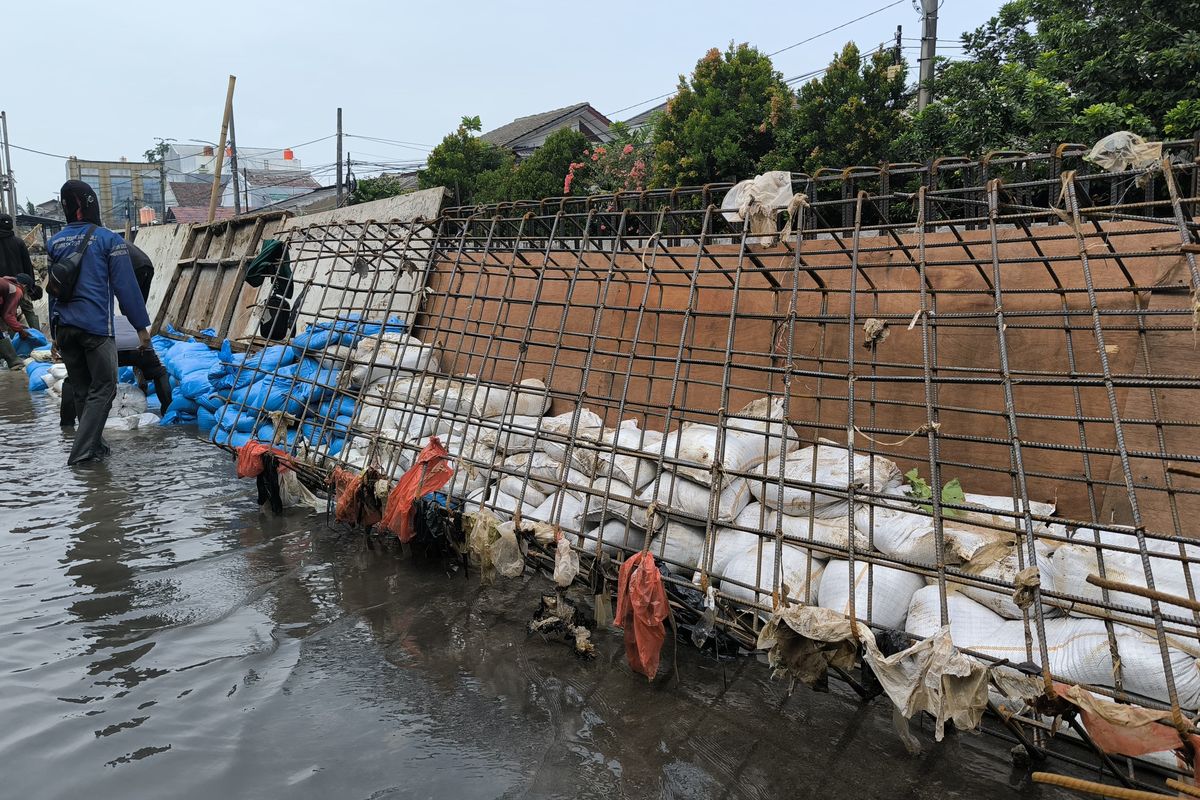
[459, 160]
[377, 188]
[1047, 71]
[29, 207]
[536, 176]
[722, 120]
[158, 153]
[850, 115]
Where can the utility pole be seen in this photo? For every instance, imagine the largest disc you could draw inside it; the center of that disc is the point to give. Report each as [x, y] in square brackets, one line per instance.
[897, 50]
[339, 158]
[216, 189]
[246, 187]
[12, 186]
[929, 9]
[237, 196]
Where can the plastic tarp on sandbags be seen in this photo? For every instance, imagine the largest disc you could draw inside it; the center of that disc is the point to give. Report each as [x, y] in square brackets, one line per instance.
[746, 442]
[1073, 562]
[881, 594]
[1078, 649]
[377, 356]
[931, 676]
[820, 465]
[757, 199]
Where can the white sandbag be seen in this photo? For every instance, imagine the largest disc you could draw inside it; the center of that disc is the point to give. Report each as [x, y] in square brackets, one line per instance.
[520, 489]
[59, 371]
[473, 465]
[127, 402]
[148, 419]
[729, 542]
[832, 468]
[468, 400]
[1010, 505]
[687, 497]
[910, 534]
[581, 509]
[563, 431]
[1074, 562]
[680, 546]
[545, 474]
[335, 357]
[835, 531]
[617, 536]
[1006, 569]
[376, 356]
[756, 569]
[635, 470]
[746, 442]
[562, 509]
[1078, 649]
[121, 424]
[498, 503]
[881, 594]
[514, 434]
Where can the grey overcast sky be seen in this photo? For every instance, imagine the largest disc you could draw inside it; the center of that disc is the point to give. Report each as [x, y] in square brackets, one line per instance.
[100, 80]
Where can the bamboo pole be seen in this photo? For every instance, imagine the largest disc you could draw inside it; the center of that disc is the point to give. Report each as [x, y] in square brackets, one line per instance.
[1091, 787]
[216, 187]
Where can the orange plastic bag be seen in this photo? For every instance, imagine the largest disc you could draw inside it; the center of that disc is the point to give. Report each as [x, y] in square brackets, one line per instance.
[249, 458]
[430, 473]
[641, 609]
[355, 505]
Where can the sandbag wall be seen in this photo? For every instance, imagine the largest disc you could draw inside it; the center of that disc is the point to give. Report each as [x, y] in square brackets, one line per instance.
[952, 420]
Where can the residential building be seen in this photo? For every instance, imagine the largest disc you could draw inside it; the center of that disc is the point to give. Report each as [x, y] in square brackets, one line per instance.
[526, 134]
[123, 187]
[642, 120]
[266, 187]
[265, 176]
[51, 209]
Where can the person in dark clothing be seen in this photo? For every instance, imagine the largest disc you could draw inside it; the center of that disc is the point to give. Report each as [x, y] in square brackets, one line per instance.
[143, 269]
[83, 328]
[14, 261]
[130, 353]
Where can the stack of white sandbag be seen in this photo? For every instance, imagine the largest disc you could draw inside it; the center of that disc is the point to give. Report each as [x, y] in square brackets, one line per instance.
[381, 356]
[1078, 650]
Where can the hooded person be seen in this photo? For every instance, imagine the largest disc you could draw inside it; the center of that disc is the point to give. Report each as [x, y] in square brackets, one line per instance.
[13, 293]
[83, 328]
[14, 261]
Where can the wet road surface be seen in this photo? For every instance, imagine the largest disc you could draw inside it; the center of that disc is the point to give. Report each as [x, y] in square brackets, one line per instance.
[161, 637]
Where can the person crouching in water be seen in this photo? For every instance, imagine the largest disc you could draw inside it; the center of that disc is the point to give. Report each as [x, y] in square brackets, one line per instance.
[130, 353]
[15, 292]
[83, 328]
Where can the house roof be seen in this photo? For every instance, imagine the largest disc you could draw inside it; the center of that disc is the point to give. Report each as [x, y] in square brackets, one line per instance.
[192, 194]
[644, 117]
[297, 179]
[505, 135]
[185, 214]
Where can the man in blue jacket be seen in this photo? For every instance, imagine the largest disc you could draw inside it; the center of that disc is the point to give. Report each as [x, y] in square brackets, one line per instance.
[83, 329]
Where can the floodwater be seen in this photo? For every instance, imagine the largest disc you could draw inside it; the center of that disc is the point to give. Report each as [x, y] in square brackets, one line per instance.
[162, 637]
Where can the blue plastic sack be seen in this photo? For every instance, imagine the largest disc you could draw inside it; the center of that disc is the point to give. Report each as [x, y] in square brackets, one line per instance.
[181, 412]
[36, 371]
[205, 420]
[125, 375]
[336, 407]
[232, 438]
[26, 346]
[234, 371]
[210, 401]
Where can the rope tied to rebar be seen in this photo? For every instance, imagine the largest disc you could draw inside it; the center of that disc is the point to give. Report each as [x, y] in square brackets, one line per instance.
[799, 200]
[920, 430]
[651, 242]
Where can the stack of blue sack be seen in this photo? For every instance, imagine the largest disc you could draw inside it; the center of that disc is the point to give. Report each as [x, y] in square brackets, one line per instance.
[347, 330]
[36, 341]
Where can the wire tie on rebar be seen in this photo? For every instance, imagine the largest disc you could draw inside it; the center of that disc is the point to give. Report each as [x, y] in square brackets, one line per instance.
[921, 430]
[912, 323]
[651, 242]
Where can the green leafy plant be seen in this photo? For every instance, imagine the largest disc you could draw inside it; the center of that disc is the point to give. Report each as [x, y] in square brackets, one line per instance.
[952, 493]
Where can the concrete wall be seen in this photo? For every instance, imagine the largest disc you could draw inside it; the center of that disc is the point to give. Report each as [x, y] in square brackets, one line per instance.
[164, 244]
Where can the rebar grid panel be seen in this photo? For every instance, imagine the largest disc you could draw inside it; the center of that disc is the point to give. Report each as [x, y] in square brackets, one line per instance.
[1033, 339]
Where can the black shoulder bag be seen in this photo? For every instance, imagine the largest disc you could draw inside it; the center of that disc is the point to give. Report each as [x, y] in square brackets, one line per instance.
[64, 272]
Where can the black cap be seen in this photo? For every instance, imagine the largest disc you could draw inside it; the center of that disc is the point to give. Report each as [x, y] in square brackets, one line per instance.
[6, 222]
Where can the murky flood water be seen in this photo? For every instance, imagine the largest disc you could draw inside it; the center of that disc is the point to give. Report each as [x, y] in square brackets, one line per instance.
[160, 637]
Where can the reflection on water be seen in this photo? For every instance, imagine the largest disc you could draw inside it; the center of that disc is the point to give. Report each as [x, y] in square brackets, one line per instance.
[162, 638]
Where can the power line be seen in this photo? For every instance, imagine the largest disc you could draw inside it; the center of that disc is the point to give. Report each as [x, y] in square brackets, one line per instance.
[777, 52]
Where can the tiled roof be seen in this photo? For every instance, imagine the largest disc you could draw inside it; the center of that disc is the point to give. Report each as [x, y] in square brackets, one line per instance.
[192, 194]
[505, 135]
[298, 179]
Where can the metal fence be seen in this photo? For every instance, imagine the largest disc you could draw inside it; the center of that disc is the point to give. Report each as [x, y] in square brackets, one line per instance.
[1013, 324]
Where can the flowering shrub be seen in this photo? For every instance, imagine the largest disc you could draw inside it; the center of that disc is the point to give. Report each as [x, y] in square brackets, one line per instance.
[620, 165]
